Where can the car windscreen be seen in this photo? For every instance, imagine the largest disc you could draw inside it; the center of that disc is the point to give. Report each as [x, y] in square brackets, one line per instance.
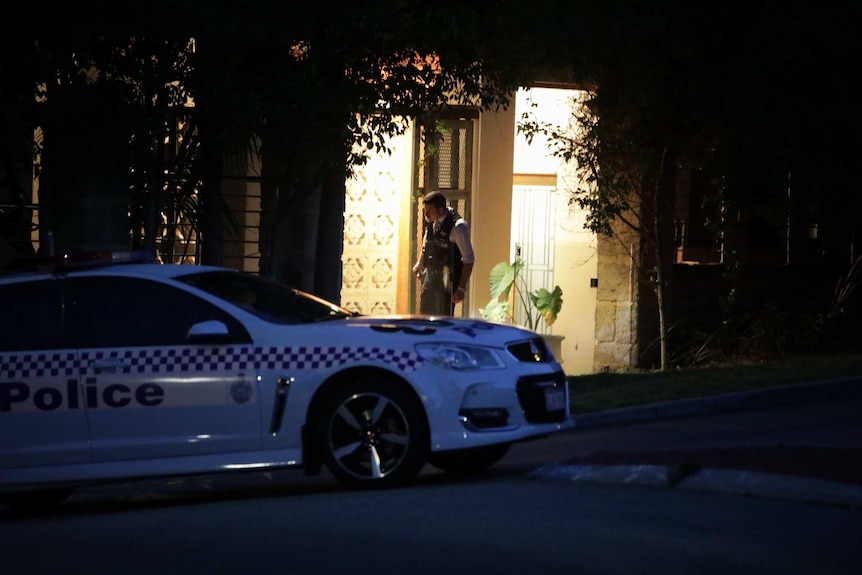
[268, 300]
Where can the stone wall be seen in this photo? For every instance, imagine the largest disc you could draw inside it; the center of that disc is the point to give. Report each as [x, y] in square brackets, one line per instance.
[617, 303]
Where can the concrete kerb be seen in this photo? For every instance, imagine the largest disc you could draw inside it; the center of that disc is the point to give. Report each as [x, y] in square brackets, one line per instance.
[652, 475]
[749, 483]
[775, 486]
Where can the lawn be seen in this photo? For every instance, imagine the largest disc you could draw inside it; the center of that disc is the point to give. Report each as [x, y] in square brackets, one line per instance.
[603, 391]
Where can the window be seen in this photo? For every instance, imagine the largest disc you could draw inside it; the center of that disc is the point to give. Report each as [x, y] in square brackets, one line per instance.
[131, 312]
[31, 316]
[268, 300]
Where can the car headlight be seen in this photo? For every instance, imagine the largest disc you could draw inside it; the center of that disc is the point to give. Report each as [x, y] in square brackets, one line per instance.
[459, 356]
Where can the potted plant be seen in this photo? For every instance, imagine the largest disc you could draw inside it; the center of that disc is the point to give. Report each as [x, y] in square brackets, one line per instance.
[508, 288]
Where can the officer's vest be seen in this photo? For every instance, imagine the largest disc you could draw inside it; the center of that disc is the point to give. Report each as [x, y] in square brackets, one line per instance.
[438, 251]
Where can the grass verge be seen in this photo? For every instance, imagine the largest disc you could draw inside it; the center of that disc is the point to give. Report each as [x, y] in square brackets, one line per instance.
[603, 391]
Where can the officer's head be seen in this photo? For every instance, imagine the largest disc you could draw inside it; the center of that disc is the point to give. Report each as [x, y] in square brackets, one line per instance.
[434, 205]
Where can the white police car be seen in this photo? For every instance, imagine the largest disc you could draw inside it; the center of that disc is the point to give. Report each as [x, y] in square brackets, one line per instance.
[131, 370]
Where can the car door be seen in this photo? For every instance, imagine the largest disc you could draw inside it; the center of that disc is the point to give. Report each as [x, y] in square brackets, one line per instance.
[149, 391]
[42, 417]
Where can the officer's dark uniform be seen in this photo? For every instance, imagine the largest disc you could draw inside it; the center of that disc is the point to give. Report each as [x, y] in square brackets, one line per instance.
[441, 259]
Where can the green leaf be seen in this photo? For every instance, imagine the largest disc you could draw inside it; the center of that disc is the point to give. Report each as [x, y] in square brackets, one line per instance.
[497, 311]
[548, 303]
[502, 278]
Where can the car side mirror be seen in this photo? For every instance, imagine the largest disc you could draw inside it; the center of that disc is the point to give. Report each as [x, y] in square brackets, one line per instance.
[212, 331]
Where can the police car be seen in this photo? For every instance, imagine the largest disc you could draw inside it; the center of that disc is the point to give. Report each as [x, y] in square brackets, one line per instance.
[130, 370]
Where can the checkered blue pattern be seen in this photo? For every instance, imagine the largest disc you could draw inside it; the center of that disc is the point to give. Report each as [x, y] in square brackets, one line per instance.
[27, 365]
[199, 359]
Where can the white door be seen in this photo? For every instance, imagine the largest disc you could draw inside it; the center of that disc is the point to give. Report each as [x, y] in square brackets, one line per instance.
[533, 233]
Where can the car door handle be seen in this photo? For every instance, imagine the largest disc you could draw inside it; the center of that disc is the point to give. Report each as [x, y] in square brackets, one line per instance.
[108, 365]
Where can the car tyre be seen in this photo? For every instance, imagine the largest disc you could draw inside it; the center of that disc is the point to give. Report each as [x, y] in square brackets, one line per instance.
[374, 434]
[471, 460]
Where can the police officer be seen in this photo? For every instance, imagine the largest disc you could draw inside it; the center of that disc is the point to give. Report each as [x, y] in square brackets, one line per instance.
[446, 260]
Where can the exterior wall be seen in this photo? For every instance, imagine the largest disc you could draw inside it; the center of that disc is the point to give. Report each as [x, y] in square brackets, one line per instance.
[241, 250]
[376, 233]
[490, 227]
[575, 270]
[616, 303]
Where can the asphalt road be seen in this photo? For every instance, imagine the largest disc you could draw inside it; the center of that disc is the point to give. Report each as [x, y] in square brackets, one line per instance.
[518, 518]
[494, 524]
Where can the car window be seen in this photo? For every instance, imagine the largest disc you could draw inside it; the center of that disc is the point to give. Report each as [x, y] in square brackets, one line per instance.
[266, 299]
[30, 316]
[135, 312]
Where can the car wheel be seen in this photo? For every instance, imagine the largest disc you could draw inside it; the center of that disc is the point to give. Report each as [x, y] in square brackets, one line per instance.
[374, 434]
[471, 460]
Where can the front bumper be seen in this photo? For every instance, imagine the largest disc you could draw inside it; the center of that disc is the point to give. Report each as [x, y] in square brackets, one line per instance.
[505, 411]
